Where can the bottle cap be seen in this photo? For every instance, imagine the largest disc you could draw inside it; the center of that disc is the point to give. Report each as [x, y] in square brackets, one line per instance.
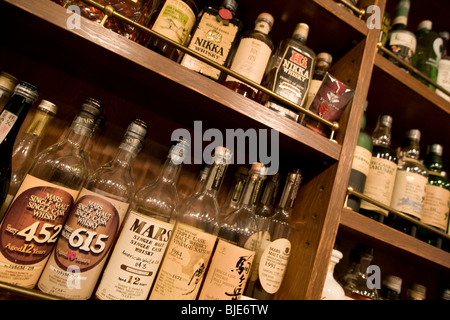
[336, 256]
[417, 291]
[222, 155]
[425, 24]
[8, 81]
[48, 107]
[386, 120]
[27, 90]
[92, 105]
[267, 17]
[324, 56]
[413, 134]
[301, 31]
[87, 117]
[179, 151]
[435, 148]
[230, 5]
[134, 136]
[393, 282]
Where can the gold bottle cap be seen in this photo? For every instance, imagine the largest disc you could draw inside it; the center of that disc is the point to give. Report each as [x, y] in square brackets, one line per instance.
[301, 30]
[8, 81]
[48, 106]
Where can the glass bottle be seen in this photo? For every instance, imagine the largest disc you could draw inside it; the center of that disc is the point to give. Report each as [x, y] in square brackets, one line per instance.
[173, 19]
[323, 64]
[360, 164]
[428, 52]
[382, 171]
[26, 148]
[40, 208]
[232, 259]
[332, 290]
[265, 208]
[356, 285]
[145, 234]
[7, 84]
[409, 187]
[94, 162]
[443, 77]
[11, 119]
[391, 288]
[437, 197]
[401, 41]
[289, 72]
[252, 55]
[93, 223]
[214, 36]
[416, 292]
[193, 238]
[235, 193]
[275, 244]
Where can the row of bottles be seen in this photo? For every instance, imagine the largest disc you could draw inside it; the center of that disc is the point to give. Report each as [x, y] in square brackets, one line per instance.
[426, 49]
[400, 179]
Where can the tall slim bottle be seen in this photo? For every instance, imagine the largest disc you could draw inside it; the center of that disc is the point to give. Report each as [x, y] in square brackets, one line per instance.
[275, 246]
[252, 55]
[382, 171]
[93, 223]
[193, 239]
[26, 148]
[234, 254]
[7, 84]
[235, 194]
[43, 202]
[146, 231]
[443, 77]
[360, 164]
[11, 119]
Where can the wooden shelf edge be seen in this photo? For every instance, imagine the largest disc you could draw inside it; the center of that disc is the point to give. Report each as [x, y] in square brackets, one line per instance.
[355, 222]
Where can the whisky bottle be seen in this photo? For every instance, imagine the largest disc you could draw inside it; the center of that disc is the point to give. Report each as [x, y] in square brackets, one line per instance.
[401, 41]
[11, 119]
[428, 52]
[213, 37]
[443, 77]
[266, 206]
[193, 238]
[7, 84]
[323, 64]
[174, 20]
[289, 72]
[41, 206]
[409, 187]
[382, 171]
[236, 189]
[26, 148]
[416, 291]
[391, 288]
[146, 231]
[93, 223]
[233, 256]
[275, 237]
[437, 197]
[252, 55]
[360, 164]
[332, 290]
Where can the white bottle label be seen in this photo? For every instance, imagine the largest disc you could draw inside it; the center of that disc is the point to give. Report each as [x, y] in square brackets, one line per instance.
[409, 193]
[184, 264]
[403, 39]
[436, 206]
[361, 160]
[7, 120]
[273, 264]
[81, 251]
[443, 78]
[134, 262]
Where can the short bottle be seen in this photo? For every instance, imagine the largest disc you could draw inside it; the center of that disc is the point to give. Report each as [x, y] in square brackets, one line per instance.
[382, 171]
[214, 37]
[391, 288]
[7, 84]
[44, 200]
[443, 77]
[289, 72]
[409, 188]
[145, 234]
[251, 57]
[26, 148]
[332, 290]
[416, 292]
[361, 164]
[322, 66]
[193, 238]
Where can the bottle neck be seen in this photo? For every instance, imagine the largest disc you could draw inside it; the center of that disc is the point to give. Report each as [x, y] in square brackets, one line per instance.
[170, 171]
[263, 27]
[382, 136]
[124, 158]
[363, 264]
[411, 150]
[434, 163]
[215, 178]
[250, 187]
[39, 123]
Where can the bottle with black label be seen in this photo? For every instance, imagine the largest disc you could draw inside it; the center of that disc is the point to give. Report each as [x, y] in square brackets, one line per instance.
[289, 72]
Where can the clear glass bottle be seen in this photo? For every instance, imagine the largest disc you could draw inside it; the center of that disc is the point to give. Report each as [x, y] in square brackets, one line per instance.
[391, 288]
[234, 254]
[252, 55]
[44, 200]
[289, 72]
[382, 171]
[416, 292]
[93, 223]
[214, 37]
[400, 40]
[94, 162]
[145, 234]
[11, 119]
[193, 238]
[409, 188]
[360, 164]
[332, 290]
[266, 207]
[7, 84]
[234, 195]
[269, 268]
[27, 147]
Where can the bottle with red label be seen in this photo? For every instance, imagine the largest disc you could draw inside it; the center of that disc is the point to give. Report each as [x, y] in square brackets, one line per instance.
[93, 223]
[37, 214]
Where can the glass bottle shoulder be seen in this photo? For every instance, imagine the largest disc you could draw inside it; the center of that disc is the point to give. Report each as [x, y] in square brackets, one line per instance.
[413, 166]
[255, 34]
[112, 182]
[383, 152]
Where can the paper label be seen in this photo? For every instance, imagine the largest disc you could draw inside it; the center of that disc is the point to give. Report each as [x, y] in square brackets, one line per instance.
[273, 264]
[361, 160]
[409, 193]
[436, 206]
[7, 120]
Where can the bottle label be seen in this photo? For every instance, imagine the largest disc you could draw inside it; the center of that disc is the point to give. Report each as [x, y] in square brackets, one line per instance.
[312, 92]
[250, 60]
[134, 262]
[443, 77]
[175, 21]
[228, 272]
[409, 193]
[264, 242]
[80, 253]
[7, 120]
[436, 206]
[361, 160]
[212, 39]
[184, 264]
[403, 44]
[379, 184]
[30, 229]
[273, 264]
